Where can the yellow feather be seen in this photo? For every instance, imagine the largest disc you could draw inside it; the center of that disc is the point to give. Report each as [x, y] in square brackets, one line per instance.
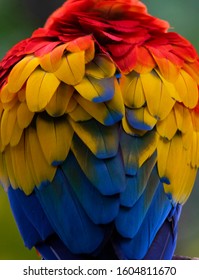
[21, 95]
[132, 90]
[16, 135]
[168, 127]
[46, 64]
[141, 118]
[163, 150]
[187, 179]
[130, 130]
[55, 138]
[192, 70]
[56, 55]
[194, 150]
[169, 87]
[72, 68]
[195, 119]
[175, 159]
[11, 104]
[9, 167]
[1, 109]
[146, 150]
[102, 141]
[2, 147]
[158, 98]
[8, 122]
[117, 102]
[90, 52]
[64, 135]
[21, 71]
[183, 118]
[20, 168]
[3, 172]
[173, 166]
[50, 62]
[29, 158]
[102, 111]
[187, 89]
[71, 105]
[167, 68]
[40, 170]
[85, 43]
[100, 67]
[79, 114]
[187, 139]
[40, 88]
[60, 100]
[24, 115]
[5, 95]
[148, 119]
[183, 180]
[96, 90]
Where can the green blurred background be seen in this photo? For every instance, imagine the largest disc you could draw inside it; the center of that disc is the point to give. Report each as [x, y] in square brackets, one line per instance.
[18, 19]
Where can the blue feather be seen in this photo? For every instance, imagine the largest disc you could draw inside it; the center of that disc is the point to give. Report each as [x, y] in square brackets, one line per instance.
[106, 175]
[54, 249]
[136, 247]
[101, 140]
[164, 244]
[100, 208]
[134, 147]
[29, 215]
[135, 185]
[67, 216]
[129, 220]
[135, 122]
[106, 91]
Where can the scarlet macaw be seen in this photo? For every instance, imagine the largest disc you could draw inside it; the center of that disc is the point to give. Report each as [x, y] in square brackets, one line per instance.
[99, 132]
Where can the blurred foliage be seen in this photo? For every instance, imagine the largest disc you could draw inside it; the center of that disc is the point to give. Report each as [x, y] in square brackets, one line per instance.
[18, 19]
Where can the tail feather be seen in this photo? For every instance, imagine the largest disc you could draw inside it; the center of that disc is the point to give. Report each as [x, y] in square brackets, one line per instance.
[164, 243]
[54, 249]
[30, 217]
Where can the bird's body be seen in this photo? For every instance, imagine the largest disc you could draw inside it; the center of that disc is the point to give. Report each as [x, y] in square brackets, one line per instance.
[99, 132]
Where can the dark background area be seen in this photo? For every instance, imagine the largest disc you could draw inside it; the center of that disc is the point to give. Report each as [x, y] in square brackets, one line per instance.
[18, 19]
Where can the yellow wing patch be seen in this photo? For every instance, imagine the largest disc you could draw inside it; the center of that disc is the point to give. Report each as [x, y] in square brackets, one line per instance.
[21, 72]
[42, 104]
[156, 101]
[40, 88]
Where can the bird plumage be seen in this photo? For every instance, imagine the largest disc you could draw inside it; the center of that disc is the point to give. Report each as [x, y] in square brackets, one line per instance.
[99, 132]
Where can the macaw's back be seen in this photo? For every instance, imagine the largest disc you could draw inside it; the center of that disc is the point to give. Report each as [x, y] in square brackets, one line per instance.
[99, 132]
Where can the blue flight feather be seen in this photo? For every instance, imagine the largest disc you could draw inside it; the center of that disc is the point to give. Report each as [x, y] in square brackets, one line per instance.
[129, 220]
[136, 247]
[133, 147]
[54, 249]
[67, 216]
[135, 185]
[101, 209]
[164, 243]
[31, 220]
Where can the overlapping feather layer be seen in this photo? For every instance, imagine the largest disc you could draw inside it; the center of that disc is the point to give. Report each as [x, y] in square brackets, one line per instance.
[101, 134]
